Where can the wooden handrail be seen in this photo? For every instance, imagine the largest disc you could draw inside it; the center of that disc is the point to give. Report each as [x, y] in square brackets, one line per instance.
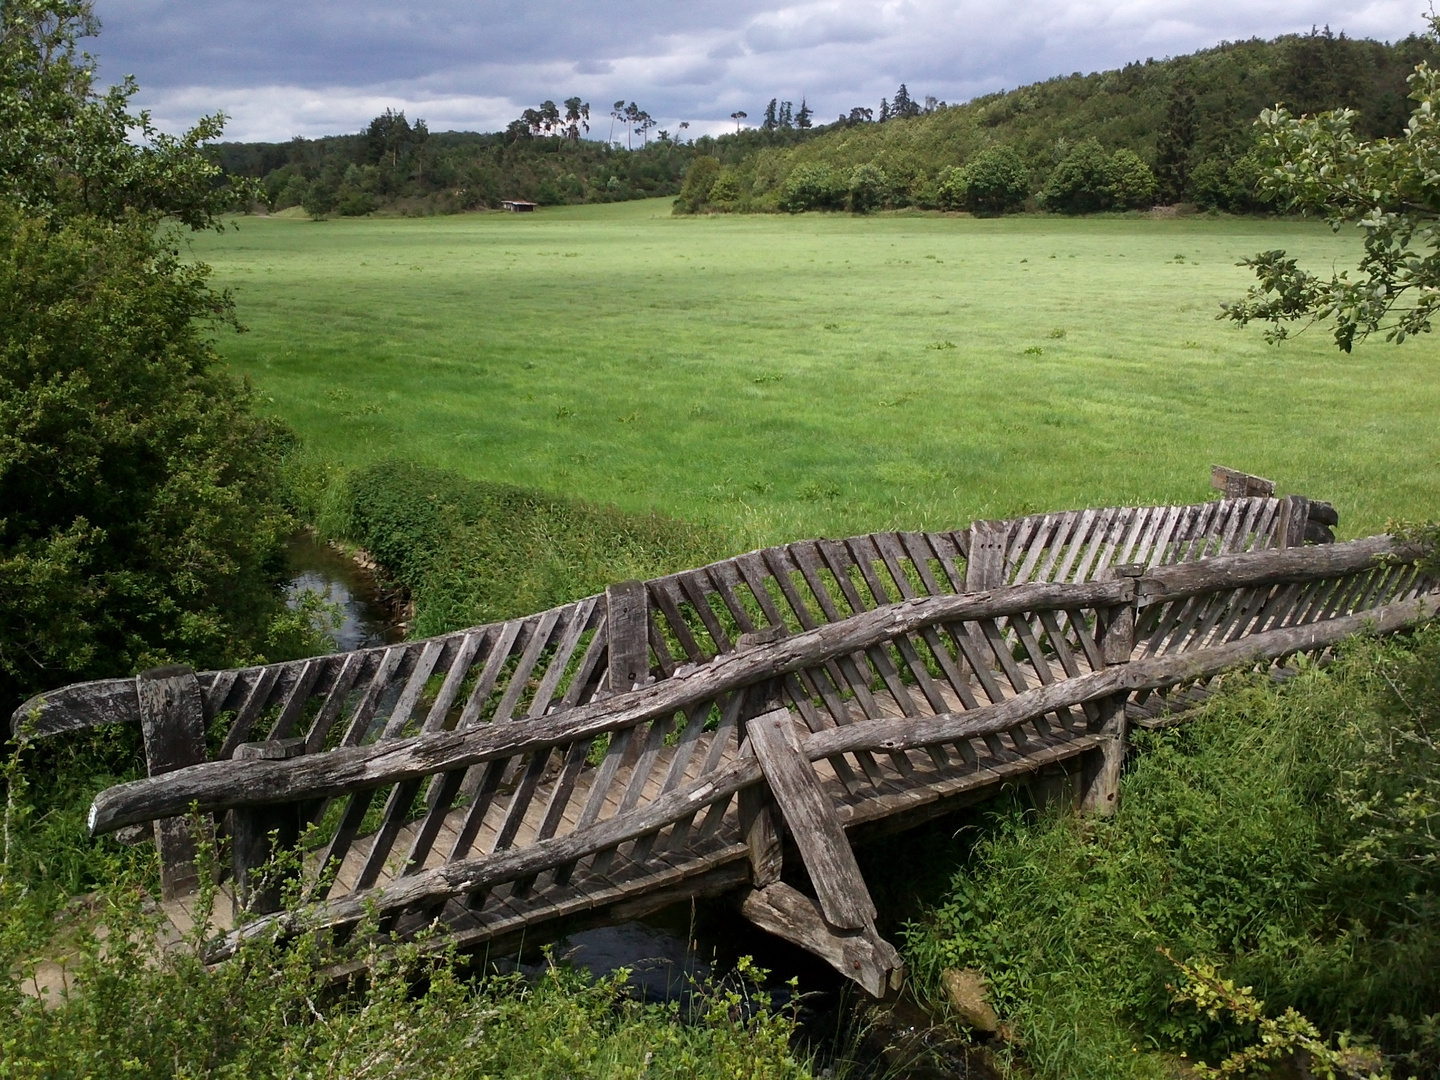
[466, 876]
[223, 785]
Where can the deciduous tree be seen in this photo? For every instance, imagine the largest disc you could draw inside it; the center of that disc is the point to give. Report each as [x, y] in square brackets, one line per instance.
[140, 511]
[1387, 188]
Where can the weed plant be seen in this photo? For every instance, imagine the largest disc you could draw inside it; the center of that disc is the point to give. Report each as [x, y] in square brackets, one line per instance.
[132, 1008]
[470, 552]
[1286, 837]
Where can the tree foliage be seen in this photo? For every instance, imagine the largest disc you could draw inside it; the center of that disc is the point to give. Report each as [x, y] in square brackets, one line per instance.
[1388, 187]
[140, 517]
[994, 181]
[1088, 179]
[69, 149]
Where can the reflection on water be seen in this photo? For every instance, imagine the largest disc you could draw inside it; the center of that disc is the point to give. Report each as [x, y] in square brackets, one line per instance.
[365, 617]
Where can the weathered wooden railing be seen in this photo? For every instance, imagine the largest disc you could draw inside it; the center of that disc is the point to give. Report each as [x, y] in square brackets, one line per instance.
[668, 739]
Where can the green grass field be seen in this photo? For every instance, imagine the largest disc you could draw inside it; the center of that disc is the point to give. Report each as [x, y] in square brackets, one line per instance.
[782, 377]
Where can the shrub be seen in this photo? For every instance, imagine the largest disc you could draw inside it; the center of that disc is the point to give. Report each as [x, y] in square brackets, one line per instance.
[952, 187]
[812, 187]
[1227, 184]
[353, 202]
[1080, 183]
[142, 519]
[700, 178]
[319, 200]
[726, 188]
[1285, 835]
[994, 182]
[867, 189]
[1087, 180]
[471, 552]
[1132, 184]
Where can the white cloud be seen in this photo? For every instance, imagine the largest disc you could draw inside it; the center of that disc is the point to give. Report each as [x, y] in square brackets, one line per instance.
[327, 66]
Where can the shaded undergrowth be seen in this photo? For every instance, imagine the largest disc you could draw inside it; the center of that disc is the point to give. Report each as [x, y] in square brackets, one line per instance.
[1285, 836]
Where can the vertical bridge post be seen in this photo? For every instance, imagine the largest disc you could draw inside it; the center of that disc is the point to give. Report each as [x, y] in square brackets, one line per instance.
[258, 831]
[1100, 783]
[172, 722]
[627, 622]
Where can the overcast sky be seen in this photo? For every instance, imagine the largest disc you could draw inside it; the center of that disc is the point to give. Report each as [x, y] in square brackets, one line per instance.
[320, 67]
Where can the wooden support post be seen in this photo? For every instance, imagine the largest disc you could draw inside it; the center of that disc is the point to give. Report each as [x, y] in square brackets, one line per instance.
[1292, 522]
[1239, 485]
[172, 720]
[985, 561]
[1100, 780]
[863, 955]
[257, 831]
[627, 621]
[761, 830]
[811, 819]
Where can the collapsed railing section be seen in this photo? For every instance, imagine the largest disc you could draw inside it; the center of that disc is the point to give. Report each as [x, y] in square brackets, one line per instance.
[503, 820]
[555, 660]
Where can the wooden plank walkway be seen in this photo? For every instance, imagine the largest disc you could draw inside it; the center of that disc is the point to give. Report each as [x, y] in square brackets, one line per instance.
[598, 760]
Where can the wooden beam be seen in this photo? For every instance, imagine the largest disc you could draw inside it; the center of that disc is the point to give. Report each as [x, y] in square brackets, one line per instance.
[985, 563]
[861, 955]
[627, 622]
[1239, 485]
[465, 876]
[812, 822]
[225, 785]
[257, 831]
[172, 718]
[219, 786]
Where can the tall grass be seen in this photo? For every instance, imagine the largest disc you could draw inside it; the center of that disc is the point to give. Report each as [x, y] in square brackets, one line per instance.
[1287, 835]
[470, 552]
[787, 377]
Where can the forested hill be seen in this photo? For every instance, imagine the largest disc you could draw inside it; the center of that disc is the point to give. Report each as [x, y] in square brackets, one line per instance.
[1174, 130]
[1189, 119]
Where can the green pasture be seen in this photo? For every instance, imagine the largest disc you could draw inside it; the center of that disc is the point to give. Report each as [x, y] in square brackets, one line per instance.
[782, 377]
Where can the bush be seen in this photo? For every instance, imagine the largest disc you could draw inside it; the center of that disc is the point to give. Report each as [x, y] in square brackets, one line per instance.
[1080, 183]
[868, 189]
[994, 181]
[1132, 184]
[726, 189]
[700, 178]
[1228, 184]
[1087, 180]
[812, 187]
[142, 519]
[1286, 835]
[471, 552]
[353, 202]
[319, 200]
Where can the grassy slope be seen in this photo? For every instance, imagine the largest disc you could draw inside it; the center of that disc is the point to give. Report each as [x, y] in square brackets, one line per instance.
[774, 375]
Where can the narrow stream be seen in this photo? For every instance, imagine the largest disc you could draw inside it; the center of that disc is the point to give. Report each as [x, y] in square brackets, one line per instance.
[667, 953]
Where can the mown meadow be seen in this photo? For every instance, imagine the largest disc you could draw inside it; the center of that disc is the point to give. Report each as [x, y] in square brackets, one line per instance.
[782, 377]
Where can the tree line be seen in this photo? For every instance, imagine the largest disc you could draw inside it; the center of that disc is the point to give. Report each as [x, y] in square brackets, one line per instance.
[1179, 130]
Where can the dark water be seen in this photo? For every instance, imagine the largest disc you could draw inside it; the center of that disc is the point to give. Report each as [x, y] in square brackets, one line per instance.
[672, 951]
[366, 617]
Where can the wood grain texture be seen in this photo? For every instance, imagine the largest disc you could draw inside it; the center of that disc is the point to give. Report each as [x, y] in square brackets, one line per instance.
[811, 820]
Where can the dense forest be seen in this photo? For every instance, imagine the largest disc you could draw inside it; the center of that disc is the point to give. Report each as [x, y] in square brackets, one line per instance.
[1170, 131]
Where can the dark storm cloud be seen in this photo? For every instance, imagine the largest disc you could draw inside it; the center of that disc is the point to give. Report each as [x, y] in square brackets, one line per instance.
[314, 68]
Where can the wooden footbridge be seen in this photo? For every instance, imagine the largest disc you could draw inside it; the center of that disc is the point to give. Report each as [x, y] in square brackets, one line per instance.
[731, 728]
